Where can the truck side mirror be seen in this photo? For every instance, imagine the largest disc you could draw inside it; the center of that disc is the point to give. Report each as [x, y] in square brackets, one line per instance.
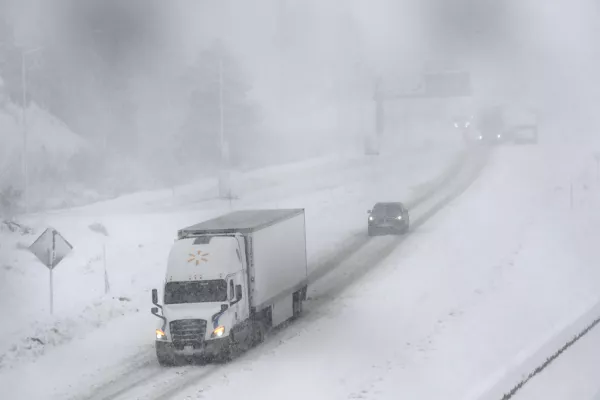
[224, 307]
[238, 292]
[155, 298]
[154, 311]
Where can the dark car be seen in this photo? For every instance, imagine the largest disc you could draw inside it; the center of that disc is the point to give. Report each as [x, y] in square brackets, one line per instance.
[388, 218]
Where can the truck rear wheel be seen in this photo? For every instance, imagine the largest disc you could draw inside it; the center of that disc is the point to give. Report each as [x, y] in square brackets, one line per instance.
[258, 333]
[297, 304]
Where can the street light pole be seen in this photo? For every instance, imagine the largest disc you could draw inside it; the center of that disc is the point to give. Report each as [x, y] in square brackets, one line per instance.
[24, 124]
[224, 173]
[282, 58]
[24, 127]
[221, 114]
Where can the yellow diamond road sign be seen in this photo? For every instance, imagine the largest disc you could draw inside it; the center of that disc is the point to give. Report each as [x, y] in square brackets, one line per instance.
[51, 248]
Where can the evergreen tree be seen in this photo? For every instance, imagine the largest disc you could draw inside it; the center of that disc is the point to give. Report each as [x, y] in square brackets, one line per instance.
[10, 62]
[215, 73]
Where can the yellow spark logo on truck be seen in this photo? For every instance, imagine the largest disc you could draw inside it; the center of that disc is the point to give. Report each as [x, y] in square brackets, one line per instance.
[198, 257]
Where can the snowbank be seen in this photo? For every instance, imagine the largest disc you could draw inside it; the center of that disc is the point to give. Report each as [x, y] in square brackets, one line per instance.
[50, 147]
[48, 139]
[570, 375]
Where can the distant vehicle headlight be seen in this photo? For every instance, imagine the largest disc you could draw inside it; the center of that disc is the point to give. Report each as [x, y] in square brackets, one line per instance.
[399, 217]
[370, 218]
[455, 125]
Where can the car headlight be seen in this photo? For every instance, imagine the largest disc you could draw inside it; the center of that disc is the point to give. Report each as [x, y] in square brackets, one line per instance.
[218, 332]
[160, 335]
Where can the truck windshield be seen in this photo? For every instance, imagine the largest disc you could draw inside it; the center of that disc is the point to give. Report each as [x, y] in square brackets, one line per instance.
[196, 292]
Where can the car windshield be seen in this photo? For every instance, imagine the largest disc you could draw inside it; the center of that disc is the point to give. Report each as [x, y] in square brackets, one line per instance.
[196, 292]
[387, 209]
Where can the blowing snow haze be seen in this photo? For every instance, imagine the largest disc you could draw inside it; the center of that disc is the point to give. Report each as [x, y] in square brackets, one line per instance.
[136, 84]
[207, 171]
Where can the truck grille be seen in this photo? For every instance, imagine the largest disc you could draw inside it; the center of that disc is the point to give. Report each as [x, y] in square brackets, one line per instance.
[188, 331]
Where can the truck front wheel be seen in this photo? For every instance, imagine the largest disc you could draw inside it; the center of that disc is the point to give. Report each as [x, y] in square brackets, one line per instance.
[227, 353]
[165, 354]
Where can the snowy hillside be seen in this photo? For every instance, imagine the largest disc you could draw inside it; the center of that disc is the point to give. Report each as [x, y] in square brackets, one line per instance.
[50, 147]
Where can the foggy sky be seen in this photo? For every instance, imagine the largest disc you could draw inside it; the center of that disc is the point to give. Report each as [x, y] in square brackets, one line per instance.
[312, 62]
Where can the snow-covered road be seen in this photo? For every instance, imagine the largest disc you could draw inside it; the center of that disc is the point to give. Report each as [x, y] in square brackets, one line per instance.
[110, 338]
[447, 313]
[461, 310]
[344, 269]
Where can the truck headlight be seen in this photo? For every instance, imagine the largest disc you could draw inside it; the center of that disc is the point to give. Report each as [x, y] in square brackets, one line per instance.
[160, 335]
[399, 217]
[370, 218]
[219, 331]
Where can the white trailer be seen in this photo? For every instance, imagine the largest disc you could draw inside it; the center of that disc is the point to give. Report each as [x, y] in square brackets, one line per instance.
[521, 123]
[228, 281]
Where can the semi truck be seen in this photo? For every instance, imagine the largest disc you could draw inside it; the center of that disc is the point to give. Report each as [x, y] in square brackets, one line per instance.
[228, 281]
[508, 123]
[521, 124]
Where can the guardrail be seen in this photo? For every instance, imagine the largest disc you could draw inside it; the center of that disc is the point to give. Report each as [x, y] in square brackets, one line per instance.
[540, 360]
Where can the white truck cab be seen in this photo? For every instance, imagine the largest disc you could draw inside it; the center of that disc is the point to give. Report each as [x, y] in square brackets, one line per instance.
[228, 280]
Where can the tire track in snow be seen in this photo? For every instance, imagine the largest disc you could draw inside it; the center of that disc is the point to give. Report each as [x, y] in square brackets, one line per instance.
[358, 239]
[462, 173]
[140, 369]
[383, 248]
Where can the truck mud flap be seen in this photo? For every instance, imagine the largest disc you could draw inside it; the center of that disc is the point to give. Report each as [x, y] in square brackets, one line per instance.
[282, 310]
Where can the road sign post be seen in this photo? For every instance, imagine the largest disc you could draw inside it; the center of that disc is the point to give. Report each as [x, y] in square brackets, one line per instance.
[571, 202]
[106, 281]
[51, 248]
